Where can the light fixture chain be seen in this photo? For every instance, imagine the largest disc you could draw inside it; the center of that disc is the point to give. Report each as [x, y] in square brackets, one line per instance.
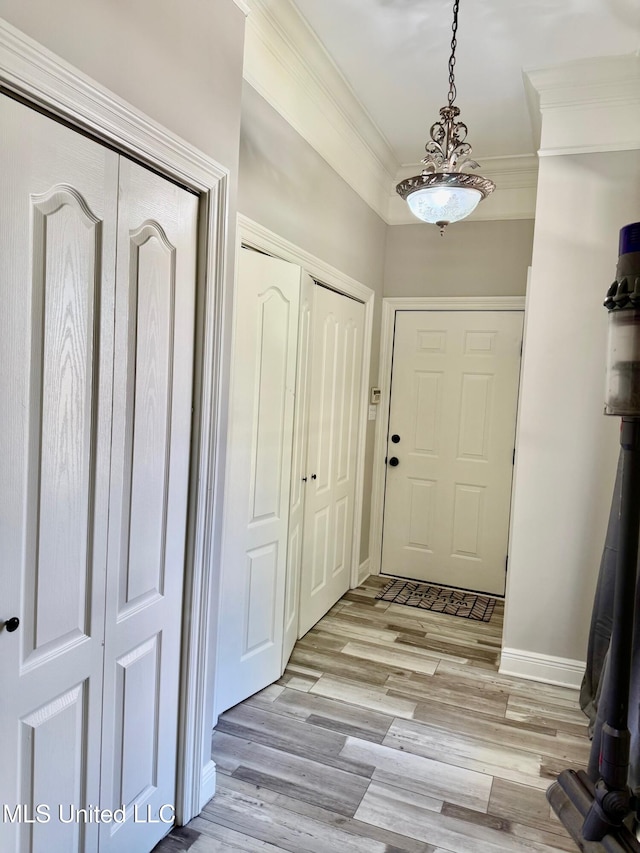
[452, 58]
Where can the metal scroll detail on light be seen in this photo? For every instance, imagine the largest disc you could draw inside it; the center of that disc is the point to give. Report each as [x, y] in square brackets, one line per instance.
[442, 193]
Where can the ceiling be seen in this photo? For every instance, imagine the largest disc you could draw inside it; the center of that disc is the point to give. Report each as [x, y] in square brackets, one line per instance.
[394, 54]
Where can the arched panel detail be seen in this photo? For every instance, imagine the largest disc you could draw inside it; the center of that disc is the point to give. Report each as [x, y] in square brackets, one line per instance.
[65, 298]
[150, 348]
[270, 400]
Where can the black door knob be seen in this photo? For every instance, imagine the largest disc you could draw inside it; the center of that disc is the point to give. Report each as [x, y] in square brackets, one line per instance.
[394, 461]
[12, 624]
[395, 438]
[314, 476]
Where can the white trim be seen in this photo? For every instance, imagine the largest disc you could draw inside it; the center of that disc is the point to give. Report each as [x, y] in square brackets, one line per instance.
[364, 571]
[548, 669]
[596, 148]
[454, 303]
[208, 785]
[40, 77]
[516, 455]
[594, 80]
[389, 308]
[32, 71]
[287, 64]
[253, 234]
[244, 7]
[585, 106]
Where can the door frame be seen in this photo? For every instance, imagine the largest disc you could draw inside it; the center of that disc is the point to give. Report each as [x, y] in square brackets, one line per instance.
[43, 80]
[390, 306]
[256, 236]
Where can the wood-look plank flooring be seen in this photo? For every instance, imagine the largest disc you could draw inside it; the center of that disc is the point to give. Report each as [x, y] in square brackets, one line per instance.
[391, 730]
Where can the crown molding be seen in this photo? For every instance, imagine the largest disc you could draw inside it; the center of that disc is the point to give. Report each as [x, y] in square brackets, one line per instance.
[285, 62]
[586, 106]
[242, 6]
[516, 180]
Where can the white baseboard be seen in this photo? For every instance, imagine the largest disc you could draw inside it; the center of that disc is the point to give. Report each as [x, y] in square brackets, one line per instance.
[364, 570]
[564, 672]
[207, 784]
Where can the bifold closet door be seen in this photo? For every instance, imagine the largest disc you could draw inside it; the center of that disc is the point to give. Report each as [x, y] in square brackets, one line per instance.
[58, 196]
[258, 477]
[153, 374]
[95, 424]
[334, 412]
[299, 473]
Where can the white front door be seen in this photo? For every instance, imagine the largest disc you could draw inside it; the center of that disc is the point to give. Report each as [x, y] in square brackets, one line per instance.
[258, 477]
[338, 324]
[454, 395]
[91, 521]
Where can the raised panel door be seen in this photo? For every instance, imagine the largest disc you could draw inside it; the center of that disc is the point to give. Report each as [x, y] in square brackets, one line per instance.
[93, 485]
[153, 374]
[299, 473]
[453, 405]
[258, 477]
[334, 388]
[57, 256]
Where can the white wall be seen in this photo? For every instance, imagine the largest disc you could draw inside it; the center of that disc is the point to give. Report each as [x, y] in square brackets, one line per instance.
[472, 259]
[567, 449]
[286, 186]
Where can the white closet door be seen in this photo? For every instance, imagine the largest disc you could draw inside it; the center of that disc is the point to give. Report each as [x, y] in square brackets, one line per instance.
[93, 484]
[155, 303]
[258, 477]
[338, 324]
[299, 473]
[57, 254]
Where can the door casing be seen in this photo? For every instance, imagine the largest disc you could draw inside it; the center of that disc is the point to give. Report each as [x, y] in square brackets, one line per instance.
[389, 307]
[33, 74]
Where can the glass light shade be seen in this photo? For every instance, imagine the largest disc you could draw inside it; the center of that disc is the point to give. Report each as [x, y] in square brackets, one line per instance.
[443, 204]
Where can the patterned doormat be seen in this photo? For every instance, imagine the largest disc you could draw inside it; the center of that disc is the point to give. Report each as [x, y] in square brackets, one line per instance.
[469, 605]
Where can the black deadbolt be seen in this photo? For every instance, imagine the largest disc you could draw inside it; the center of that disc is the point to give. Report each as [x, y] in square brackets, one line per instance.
[12, 624]
[394, 461]
[395, 438]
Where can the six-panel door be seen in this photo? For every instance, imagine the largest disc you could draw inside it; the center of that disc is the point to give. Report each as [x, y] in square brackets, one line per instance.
[453, 407]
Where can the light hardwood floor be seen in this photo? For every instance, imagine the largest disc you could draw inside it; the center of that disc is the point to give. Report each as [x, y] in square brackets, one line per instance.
[391, 731]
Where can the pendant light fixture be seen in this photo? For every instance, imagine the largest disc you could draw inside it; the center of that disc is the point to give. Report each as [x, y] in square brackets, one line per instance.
[441, 193]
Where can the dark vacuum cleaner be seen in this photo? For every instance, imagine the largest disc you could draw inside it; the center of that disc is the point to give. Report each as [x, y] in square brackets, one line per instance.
[600, 813]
